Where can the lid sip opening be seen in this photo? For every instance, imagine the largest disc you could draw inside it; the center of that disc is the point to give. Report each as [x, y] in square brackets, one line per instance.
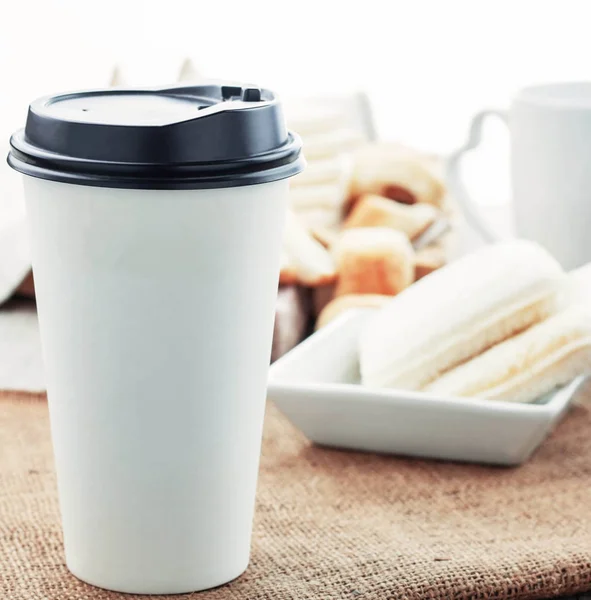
[175, 137]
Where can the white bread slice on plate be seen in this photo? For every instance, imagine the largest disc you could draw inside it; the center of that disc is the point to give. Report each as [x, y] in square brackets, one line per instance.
[528, 365]
[457, 312]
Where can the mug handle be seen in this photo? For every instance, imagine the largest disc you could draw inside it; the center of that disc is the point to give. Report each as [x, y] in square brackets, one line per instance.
[454, 178]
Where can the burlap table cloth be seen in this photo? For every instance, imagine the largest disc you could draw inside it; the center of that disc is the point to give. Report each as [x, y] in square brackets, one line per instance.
[343, 525]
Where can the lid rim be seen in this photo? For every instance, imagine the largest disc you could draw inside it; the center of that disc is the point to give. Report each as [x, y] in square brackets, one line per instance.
[273, 172]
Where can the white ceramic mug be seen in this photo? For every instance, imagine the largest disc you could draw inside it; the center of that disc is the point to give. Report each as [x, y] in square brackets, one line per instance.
[550, 132]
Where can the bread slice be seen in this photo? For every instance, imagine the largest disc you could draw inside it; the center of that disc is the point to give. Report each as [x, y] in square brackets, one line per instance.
[304, 260]
[341, 304]
[379, 169]
[527, 365]
[458, 312]
[373, 260]
[376, 211]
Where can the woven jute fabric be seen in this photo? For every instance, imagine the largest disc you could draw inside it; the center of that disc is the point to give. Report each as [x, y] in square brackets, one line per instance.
[343, 525]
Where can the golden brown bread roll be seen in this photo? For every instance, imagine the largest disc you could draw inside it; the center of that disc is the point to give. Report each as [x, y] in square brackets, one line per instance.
[386, 171]
[376, 211]
[373, 260]
[342, 303]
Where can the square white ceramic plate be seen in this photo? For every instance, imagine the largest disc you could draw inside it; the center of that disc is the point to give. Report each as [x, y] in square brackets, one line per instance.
[316, 387]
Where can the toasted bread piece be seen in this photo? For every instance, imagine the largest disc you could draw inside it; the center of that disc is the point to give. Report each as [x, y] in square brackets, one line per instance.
[304, 259]
[376, 211]
[527, 365]
[458, 312]
[373, 260]
[342, 303]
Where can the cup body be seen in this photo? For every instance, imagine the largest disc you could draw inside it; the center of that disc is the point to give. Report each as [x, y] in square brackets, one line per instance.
[551, 168]
[156, 313]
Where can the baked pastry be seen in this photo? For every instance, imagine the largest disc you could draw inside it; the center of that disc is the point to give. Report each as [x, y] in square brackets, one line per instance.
[376, 211]
[458, 312]
[528, 365]
[378, 169]
[304, 260]
[373, 260]
[341, 304]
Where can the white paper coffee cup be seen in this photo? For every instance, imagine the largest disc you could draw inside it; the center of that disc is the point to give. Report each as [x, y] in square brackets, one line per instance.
[156, 291]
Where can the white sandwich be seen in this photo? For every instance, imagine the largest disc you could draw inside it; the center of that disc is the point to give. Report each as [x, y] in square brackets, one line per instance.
[458, 312]
[527, 365]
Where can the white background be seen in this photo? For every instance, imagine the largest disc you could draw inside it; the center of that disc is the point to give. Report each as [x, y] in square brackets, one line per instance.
[427, 64]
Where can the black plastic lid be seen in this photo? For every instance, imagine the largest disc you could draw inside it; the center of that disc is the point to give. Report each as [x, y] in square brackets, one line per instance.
[182, 137]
